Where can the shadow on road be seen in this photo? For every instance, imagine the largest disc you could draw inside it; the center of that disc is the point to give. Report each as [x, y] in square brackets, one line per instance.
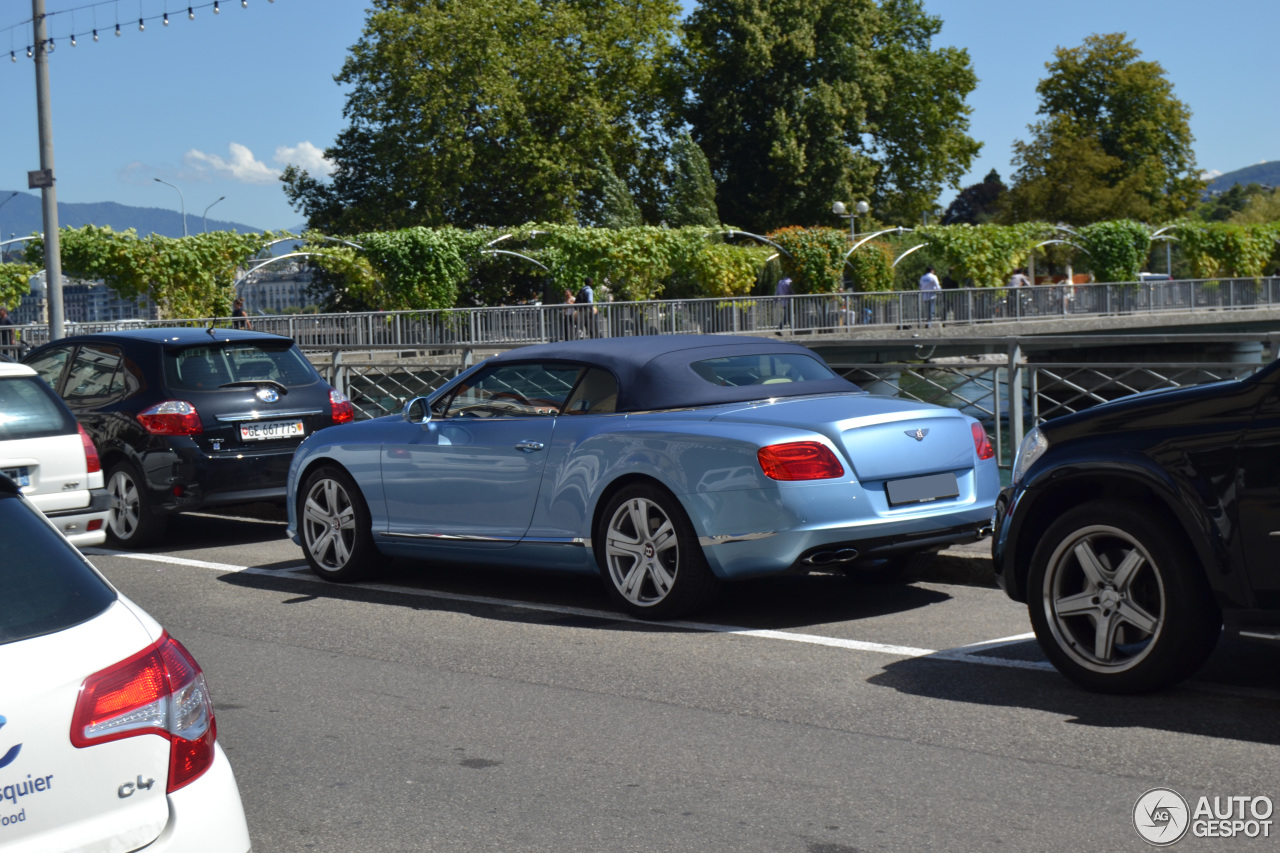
[1234, 696]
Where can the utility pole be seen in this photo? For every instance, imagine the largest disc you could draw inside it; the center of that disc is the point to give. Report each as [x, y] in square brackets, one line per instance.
[43, 179]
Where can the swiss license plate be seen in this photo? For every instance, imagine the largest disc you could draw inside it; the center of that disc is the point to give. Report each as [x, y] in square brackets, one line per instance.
[20, 476]
[918, 490]
[267, 430]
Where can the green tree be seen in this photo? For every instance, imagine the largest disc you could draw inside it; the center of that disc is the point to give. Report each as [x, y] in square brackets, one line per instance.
[1223, 206]
[608, 203]
[692, 198]
[1113, 133]
[798, 103]
[976, 203]
[475, 112]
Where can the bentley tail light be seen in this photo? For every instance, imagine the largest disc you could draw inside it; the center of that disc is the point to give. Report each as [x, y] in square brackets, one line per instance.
[340, 407]
[799, 460]
[172, 417]
[981, 443]
[158, 691]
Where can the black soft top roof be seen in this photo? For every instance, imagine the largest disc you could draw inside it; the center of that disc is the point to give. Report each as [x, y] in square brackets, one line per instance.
[654, 372]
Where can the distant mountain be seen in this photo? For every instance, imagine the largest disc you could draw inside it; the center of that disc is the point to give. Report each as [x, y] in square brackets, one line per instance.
[22, 215]
[1267, 174]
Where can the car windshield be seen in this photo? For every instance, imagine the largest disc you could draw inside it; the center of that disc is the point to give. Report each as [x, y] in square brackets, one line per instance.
[28, 409]
[47, 586]
[207, 367]
[770, 369]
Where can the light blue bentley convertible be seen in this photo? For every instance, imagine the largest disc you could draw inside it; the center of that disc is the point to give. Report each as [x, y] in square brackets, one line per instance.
[668, 464]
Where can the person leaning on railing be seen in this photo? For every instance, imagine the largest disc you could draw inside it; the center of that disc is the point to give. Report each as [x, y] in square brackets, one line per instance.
[6, 332]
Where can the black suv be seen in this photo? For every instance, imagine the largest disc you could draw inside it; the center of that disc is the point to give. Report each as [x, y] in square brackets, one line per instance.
[188, 418]
[1136, 529]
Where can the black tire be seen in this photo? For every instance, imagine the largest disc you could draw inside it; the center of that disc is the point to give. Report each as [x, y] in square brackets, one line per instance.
[335, 526]
[133, 521]
[654, 573]
[1106, 564]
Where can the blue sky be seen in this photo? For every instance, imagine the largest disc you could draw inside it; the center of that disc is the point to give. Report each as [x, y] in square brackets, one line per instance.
[217, 105]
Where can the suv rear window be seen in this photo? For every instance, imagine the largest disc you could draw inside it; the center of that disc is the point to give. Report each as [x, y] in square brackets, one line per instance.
[204, 368]
[30, 409]
[47, 586]
[762, 369]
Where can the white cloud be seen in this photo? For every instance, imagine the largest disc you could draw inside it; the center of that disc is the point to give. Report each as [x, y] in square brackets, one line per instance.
[305, 156]
[242, 166]
[1210, 174]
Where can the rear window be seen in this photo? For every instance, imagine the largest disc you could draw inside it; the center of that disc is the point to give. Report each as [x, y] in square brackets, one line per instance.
[47, 585]
[30, 409]
[204, 368]
[771, 369]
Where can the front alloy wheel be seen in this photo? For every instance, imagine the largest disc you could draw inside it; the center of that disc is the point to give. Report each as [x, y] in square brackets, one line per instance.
[1120, 607]
[651, 558]
[335, 526]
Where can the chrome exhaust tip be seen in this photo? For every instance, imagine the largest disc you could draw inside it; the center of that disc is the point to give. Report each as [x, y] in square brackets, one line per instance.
[826, 558]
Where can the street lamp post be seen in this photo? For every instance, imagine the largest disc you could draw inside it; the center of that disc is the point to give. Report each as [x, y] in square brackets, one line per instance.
[859, 209]
[205, 216]
[2, 204]
[182, 201]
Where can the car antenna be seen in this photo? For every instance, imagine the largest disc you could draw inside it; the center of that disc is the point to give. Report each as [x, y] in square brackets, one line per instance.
[209, 329]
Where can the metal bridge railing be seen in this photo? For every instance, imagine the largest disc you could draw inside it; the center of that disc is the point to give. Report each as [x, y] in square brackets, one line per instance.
[811, 313]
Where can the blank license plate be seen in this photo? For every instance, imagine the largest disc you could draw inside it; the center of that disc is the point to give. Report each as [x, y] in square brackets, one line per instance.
[267, 430]
[918, 490]
[20, 476]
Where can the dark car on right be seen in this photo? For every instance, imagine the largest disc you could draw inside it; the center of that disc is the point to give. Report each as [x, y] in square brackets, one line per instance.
[1135, 530]
[188, 418]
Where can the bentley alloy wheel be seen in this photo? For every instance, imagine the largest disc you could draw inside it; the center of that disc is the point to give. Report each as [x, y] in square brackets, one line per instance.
[651, 559]
[335, 526]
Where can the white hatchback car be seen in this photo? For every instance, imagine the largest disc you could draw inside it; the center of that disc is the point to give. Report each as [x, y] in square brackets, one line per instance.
[50, 456]
[107, 735]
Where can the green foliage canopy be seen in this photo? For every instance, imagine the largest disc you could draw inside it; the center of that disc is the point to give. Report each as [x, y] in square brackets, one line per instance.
[1227, 249]
[480, 112]
[692, 198]
[1117, 249]
[985, 253]
[798, 103]
[1115, 142]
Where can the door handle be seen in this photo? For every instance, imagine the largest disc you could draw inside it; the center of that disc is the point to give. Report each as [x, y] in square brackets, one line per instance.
[529, 446]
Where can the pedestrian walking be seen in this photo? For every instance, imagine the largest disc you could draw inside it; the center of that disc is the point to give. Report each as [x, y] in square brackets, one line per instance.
[6, 329]
[570, 325]
[240, 317]
[784, 290]
[929, 287]
[587, 315]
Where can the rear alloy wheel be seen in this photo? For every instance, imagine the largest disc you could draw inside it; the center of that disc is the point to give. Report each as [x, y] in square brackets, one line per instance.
[1117, 603]
[649, 555]
[132, 521]
[337, 532]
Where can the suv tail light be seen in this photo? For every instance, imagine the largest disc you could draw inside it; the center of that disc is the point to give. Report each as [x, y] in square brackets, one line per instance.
[981, 443]
[92, 462]
[799, 460]
[340, 408]
[172, 417]
[159, 691]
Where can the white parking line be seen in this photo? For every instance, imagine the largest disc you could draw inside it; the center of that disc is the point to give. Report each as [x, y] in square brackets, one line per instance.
[964, 654]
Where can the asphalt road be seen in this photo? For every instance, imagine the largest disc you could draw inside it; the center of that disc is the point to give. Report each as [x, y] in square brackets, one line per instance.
[478, 708]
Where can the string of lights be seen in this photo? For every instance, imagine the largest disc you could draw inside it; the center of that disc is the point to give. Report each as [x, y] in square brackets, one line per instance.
[72, 35]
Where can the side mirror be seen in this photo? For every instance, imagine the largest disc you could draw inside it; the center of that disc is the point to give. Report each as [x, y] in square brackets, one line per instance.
[417, 411]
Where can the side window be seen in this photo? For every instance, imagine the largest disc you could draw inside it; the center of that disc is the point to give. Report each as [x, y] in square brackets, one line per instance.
[514, 391]
[596, 394]
[50, 365]
[95, 372]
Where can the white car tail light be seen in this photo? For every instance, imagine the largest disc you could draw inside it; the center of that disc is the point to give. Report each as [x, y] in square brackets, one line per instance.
[172, 417]
[159, 691]
[92, 462]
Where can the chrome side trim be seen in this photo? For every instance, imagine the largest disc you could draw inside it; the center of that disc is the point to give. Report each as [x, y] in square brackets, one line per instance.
[257, 416]
[741, 537]
[450, 537]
